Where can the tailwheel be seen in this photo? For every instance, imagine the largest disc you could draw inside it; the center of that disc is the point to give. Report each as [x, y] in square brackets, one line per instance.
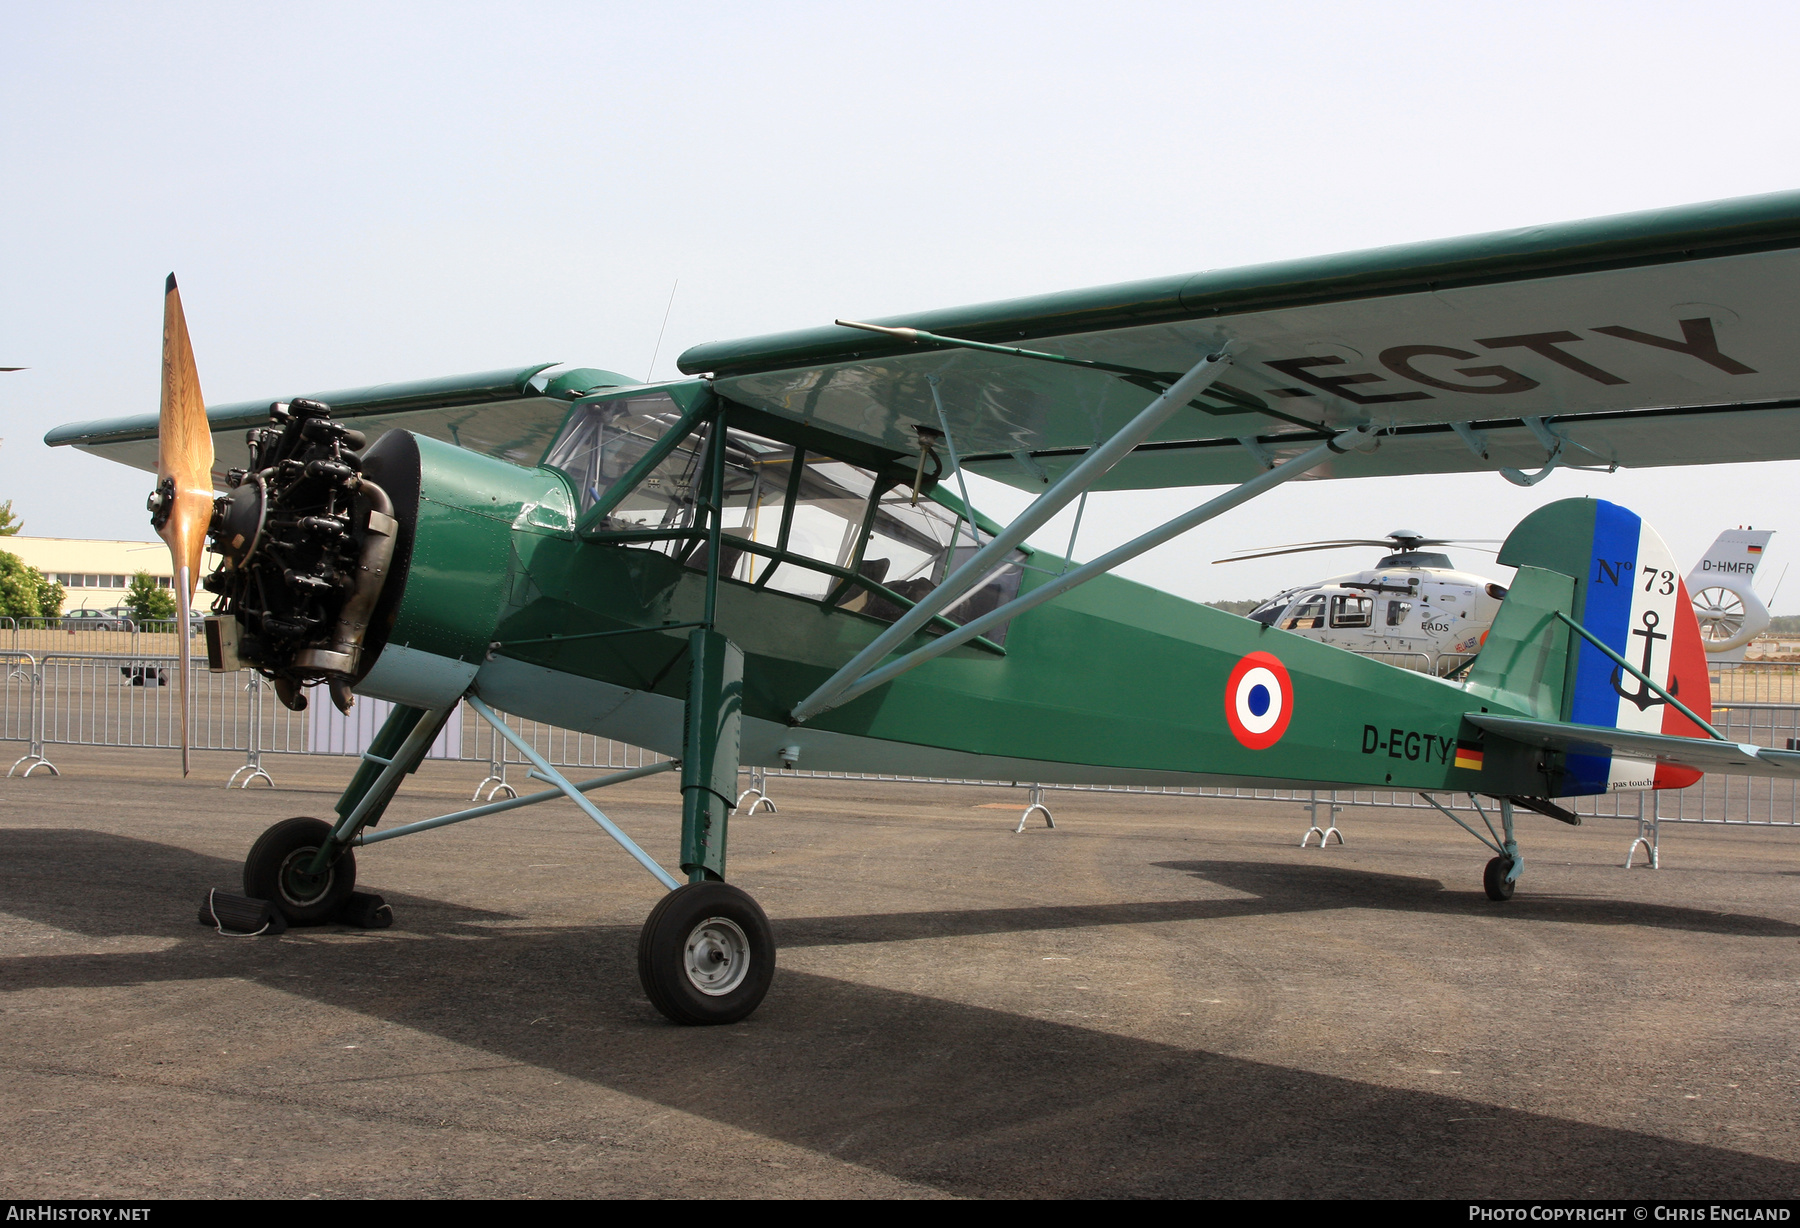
[279, 870]
[1494, 878]
[706, 954]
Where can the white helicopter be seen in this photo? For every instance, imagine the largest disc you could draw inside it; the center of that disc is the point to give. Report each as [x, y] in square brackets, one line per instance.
[1414, 609]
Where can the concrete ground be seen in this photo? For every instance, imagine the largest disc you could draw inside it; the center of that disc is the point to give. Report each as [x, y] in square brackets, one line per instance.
[1163, 996]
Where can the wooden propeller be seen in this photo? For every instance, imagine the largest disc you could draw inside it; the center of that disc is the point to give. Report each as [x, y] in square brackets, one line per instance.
[182, 507]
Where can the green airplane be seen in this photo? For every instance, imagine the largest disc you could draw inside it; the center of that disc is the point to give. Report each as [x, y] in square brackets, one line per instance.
[775, 562]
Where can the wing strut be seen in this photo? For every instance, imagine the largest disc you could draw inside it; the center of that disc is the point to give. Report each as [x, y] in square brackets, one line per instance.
[1090, 469]
[1268, 480]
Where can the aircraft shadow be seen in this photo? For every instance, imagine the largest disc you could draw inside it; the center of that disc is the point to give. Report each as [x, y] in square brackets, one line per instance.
[1276, 887]
[971, 1100]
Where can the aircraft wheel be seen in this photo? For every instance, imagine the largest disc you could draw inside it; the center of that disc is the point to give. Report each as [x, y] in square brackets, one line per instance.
[276, 870]
[706, 954]
[1495, 880]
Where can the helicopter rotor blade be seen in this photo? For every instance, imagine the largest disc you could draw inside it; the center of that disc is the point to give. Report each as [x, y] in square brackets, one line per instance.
[1401, 545]
[1302, 549]
[182, 506]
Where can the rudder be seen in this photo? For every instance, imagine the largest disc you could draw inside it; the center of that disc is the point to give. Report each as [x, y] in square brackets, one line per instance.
[1627, 591]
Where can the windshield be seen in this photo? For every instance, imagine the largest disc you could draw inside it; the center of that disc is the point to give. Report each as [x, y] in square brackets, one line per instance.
[602, 441]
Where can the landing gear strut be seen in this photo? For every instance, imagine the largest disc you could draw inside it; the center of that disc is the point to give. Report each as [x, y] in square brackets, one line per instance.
[1503, 871]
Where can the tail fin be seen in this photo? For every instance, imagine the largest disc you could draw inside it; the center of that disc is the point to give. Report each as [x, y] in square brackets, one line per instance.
[1609, 571]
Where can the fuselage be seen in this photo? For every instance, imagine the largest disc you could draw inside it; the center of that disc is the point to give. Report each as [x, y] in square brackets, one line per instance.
[1113, 682]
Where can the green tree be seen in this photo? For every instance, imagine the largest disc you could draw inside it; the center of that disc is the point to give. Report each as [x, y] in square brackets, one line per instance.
[146, 601]
[24, 592]
[9, 523]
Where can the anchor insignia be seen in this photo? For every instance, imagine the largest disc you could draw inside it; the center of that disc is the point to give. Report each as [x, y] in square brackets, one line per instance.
[1643, 696]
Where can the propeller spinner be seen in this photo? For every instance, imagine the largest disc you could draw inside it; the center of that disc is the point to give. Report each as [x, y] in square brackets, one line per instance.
[181, 506]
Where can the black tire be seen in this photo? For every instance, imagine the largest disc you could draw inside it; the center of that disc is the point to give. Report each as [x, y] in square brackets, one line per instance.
[275, 871]
[1494, 879]
[706, 954]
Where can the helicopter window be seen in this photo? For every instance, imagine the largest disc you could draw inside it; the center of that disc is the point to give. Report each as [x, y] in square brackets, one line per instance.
[1307, 615]
[604, 440]
[1397, 612]
[1270, 610]
[1352, 611]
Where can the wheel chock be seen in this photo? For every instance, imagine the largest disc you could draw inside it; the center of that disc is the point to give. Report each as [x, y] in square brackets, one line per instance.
[365, 911]
[239, 916]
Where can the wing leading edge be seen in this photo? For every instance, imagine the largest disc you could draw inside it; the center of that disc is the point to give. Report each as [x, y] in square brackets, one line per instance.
[511, 414]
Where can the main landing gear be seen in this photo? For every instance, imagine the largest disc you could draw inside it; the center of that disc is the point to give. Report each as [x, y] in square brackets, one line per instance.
[280, 869]
[706, 954]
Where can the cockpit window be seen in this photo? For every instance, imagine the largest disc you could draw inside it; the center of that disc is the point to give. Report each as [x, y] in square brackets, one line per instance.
[603, 440]
[818, 516]
[1307, 615]
[828, 513]
[1270, 610]
[1397, 611]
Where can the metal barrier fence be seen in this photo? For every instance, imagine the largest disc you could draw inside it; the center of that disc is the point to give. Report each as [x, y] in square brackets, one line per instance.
[129, 700]
[104, 635]
[1440, 663]
[1776, 682]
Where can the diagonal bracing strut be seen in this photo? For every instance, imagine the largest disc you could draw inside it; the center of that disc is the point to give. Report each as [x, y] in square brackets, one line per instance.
[1092, 467]
[1285, 472]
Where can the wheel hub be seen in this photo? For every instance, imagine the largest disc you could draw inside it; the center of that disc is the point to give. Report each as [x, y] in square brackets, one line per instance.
[297, 884]
[717, 956]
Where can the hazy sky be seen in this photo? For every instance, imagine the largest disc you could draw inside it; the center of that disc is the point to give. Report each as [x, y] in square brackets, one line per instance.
[358, 193]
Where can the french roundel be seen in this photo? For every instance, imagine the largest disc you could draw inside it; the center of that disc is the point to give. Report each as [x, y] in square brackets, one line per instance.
[1259, 699]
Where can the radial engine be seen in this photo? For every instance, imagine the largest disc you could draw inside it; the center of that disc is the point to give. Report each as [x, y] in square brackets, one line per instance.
[306, 541]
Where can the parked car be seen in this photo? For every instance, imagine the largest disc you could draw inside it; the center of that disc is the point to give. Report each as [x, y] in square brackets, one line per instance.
[93, 620]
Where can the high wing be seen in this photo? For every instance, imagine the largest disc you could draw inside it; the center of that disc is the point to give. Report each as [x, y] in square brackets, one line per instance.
[1701, 754]
[512, 414]
[1658, 338]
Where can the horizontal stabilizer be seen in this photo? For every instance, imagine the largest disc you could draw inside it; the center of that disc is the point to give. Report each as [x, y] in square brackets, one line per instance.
[1701, 754]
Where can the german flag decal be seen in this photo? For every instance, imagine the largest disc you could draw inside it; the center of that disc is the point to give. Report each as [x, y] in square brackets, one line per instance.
[1468, 755]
